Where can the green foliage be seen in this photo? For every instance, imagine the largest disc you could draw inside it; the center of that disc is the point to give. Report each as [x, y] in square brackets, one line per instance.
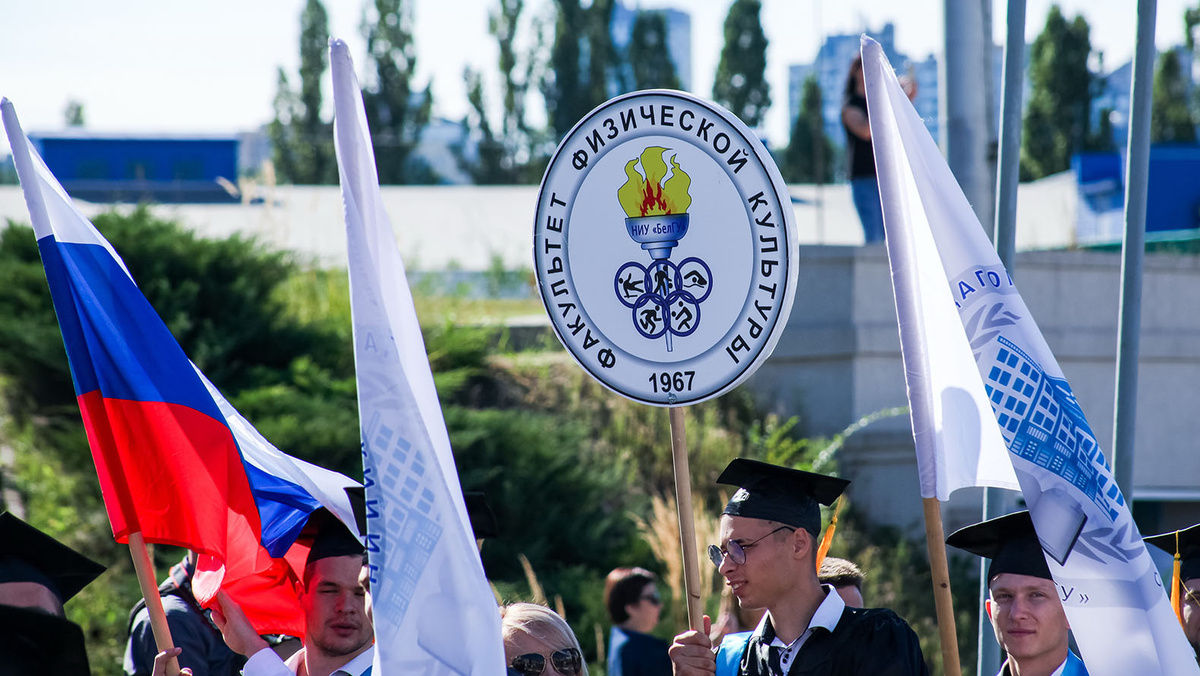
[1056, 118]
[741, 83]
[809, 156]
[648, 55]
[1170, 116]
[302, 142]
[73, 114]
[581, 36]
[396, 113]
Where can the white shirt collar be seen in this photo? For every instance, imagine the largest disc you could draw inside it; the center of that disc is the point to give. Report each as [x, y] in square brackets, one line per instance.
[828, 614]
[354, 667]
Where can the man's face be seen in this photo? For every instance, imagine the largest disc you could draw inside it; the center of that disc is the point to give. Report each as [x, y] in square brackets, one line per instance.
[1191, 613]
[1028, 617]
[334, 606]
[768, 569]
[30, 595]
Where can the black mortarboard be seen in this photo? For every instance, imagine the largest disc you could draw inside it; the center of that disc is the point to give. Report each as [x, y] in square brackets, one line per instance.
[483, 521]
[780, 494]
[331, 538]
[29, 555]
[1188, 549]
[1009, 541]
[34, 643]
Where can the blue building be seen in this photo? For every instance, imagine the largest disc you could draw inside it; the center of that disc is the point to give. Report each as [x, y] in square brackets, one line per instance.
[162, 168]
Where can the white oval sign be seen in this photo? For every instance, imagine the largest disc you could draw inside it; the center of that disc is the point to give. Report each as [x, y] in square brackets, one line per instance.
[665, 248]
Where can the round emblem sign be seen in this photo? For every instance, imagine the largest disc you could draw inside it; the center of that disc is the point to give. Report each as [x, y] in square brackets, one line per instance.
[665, 248]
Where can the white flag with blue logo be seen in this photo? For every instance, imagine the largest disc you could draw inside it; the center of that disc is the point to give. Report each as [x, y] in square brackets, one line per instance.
[1114, 599]
[434, 610]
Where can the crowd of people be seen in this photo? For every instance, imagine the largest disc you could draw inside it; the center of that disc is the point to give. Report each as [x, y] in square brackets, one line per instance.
[782, 613]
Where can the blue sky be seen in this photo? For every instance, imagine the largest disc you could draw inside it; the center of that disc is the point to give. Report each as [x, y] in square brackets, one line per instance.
[149, 65]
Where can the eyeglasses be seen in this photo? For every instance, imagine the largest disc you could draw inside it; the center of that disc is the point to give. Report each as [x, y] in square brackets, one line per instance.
[652, 598]
[737, 551]
[568, 662]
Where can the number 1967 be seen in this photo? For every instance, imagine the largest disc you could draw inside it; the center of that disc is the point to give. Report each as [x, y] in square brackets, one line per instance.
[679, 381]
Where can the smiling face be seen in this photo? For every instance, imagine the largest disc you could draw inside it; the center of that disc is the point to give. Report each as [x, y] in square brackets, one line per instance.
[1029, 619]
[770, 569]
[334, 606]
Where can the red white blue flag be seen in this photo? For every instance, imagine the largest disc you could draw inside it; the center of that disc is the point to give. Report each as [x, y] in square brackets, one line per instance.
[175, 461]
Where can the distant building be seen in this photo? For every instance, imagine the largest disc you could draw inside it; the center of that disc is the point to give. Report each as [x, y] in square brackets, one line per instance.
[164, 168]
[679, 40]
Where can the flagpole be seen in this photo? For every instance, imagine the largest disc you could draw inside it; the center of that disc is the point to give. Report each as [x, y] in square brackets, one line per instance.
[935, 540]
[687, 528]
[144, 568]
[1133, 249]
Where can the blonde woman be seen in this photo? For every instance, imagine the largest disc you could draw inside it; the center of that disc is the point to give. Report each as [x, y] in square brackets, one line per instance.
[537, 642]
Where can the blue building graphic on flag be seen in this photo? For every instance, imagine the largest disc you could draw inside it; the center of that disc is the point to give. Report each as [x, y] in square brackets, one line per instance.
[1041, 421]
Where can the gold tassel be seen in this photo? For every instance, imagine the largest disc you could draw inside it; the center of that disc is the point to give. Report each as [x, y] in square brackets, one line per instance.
[1176, 583]
[828, 539]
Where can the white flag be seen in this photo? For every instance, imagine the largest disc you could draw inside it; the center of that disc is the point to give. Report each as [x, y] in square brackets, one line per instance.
[1115, 601]
[434, 611]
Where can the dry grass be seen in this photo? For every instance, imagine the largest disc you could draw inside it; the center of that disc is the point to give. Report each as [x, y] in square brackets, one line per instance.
[661, 531]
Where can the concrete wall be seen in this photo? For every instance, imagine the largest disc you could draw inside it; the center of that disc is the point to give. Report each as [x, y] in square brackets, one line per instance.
[840, 360]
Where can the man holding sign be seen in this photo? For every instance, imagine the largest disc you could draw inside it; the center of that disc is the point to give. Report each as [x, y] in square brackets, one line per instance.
[769, 538]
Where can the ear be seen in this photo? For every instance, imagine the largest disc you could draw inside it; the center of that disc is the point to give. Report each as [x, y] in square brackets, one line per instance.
[987, 606]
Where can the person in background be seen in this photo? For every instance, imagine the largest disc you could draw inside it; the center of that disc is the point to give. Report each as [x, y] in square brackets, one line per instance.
[38, 574]
[1024, 607]
[1185, 545]
[845, 578]
[860, 155]
[202, 648]
[634, 605]
[537, 642]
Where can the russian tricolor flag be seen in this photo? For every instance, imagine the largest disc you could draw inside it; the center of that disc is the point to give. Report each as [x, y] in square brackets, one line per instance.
[175, 461]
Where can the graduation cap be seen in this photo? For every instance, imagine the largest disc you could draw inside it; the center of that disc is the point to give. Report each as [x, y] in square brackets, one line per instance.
[34, 643]
[483, 521]
[782, 494]
[1184, 544]
[29, 555]
[1009, 541]
[330, 537]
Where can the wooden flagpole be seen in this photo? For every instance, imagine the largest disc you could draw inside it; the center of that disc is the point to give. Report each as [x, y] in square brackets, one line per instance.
[149, 584]
[935, 540]
[687, 527]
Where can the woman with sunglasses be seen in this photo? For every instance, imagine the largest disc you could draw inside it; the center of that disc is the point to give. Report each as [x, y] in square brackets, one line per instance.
[537, 642]
[633, 604]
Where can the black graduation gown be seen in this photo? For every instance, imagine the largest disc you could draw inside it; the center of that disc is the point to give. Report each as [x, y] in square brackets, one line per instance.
[865, 642]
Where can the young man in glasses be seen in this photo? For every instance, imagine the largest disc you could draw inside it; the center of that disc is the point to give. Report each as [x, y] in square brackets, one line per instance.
[633, 604]
[1024, 604]
[769, 537]
[1185, 545]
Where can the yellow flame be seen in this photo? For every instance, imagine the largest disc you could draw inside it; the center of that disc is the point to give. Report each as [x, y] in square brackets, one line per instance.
[651, 197]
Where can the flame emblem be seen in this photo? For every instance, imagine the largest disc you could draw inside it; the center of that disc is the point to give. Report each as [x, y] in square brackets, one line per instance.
[651, 196]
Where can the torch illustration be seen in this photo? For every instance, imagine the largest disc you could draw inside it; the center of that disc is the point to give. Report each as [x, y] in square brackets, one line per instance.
[656, 219]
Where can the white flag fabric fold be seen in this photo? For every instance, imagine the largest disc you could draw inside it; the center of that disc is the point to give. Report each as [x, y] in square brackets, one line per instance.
[944, 265]
[434, 610]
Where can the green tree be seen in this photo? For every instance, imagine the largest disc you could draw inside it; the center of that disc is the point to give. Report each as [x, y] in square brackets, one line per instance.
[396, 113]
[741, 82]
[808, 158]
[1170, 117]
[513, 151]
[583, 63]
[1056, 119]
[73, 114]
[302, 142]
[647, 53]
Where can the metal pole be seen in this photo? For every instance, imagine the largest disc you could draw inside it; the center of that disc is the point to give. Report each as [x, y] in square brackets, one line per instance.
[995, 501]
[963, 102]
[1133, 249]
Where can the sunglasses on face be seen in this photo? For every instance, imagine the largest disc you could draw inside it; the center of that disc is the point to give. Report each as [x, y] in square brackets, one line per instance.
[652, 598]
[567, 662]
[737, 551]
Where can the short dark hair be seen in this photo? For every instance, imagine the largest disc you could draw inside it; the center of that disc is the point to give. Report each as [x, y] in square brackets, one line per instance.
[840, 573]
[623, 587]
